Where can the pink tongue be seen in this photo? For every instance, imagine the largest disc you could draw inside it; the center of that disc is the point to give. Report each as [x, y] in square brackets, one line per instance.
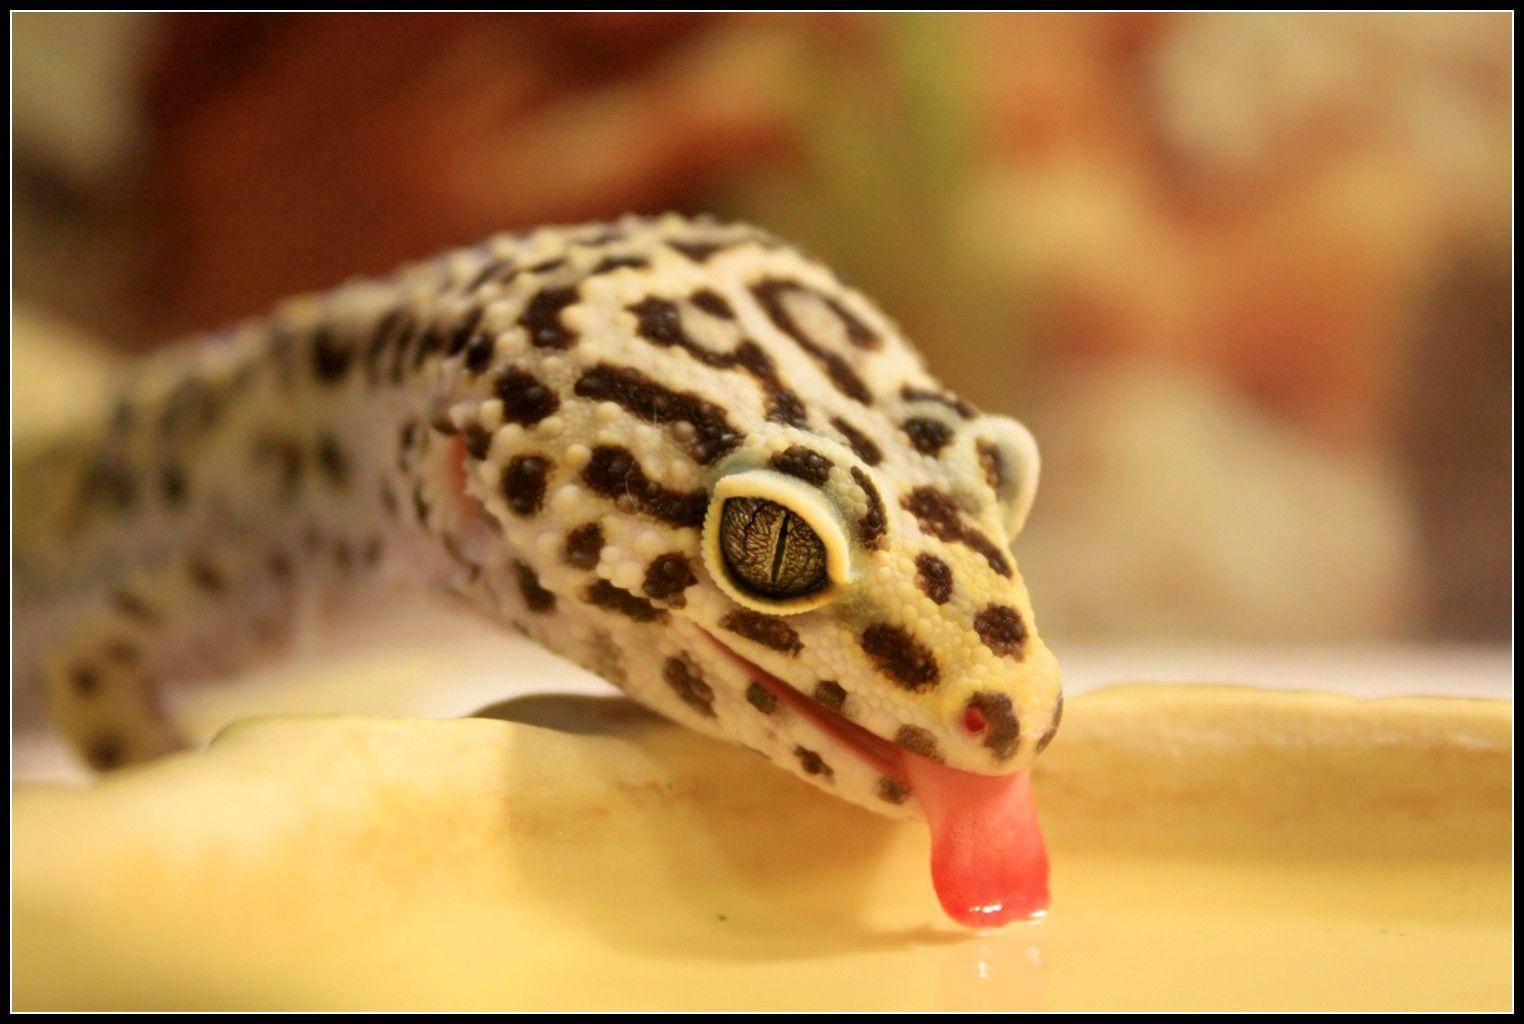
[988, 861]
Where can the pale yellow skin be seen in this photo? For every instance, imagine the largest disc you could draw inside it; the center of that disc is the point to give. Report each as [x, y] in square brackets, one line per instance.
[471, 458]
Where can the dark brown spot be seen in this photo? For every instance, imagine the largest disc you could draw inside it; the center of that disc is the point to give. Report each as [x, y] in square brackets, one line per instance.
[372, 551]
[831, 695]
[464, 330]
[713, 303]
[1001, 629]
[457, 553]
[938, 516]
[761, 698]
[479, 351]
[524, 483]
[689, 685]
[281, 567]
[536, 597]
[767, 630]
[110, 482]
[667, 577]
[606, 659]
[892, 790]
[407, 438]
[380, 341]
[388, 498]
[927, 436]
[713, 436]
[429, 342]
[172, 485]
[135, 606]
[332, 460]
[900, 656]
[525, 399]
[542, 317]
[207, 576]
[401, 343]
[698, 252]
[478, 441]
[105, 752]
[610, 263]
[1052, 729]
[1002, 730]
[953, 402]
[312, 538]
[601, 236]
[192, 405]
[934, 577]
[442, 424]
[813, 763]
[330, 358]
[874, 524]
[583, 546]
[861, 443]
[546, 266]
[918, 741]
[614, 473]
[493, 270]
[799, 461]
[783, 405]
[604, 594]
[84, 680]
[660, 320]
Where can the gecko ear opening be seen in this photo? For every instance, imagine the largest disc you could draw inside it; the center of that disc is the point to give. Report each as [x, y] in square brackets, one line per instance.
[1008, 454]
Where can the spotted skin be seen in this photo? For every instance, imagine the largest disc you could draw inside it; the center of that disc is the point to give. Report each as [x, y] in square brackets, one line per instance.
[539, 424]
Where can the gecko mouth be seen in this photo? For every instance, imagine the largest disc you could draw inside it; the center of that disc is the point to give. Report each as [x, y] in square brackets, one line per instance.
[988, 861]
[880, 754]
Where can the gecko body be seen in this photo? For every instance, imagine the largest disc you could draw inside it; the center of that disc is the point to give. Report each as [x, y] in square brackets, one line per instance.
[675, 451]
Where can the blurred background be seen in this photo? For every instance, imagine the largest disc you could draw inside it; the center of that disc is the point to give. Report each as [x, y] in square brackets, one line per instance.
[1247, 276]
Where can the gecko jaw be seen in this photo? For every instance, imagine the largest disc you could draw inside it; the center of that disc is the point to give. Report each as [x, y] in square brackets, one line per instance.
[880, 754]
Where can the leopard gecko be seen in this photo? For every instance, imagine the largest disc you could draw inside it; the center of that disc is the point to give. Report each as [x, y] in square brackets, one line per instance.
[676, 451]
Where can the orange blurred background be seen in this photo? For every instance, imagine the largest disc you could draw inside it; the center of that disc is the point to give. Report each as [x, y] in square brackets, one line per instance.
[1247, 276]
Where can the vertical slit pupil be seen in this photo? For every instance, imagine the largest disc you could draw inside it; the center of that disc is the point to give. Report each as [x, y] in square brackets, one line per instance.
[780, 546]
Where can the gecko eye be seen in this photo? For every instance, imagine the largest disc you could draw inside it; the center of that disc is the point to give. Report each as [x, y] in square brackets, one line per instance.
[775, 543]
[769, 550]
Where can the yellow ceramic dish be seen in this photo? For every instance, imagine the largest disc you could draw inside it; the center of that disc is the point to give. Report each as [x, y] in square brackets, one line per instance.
[1213, 848]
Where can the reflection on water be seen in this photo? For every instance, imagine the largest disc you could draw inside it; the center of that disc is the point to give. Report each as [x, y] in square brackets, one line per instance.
[998, 971]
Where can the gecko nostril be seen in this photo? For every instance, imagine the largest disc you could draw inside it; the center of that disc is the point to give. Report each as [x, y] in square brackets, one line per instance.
[973, 721]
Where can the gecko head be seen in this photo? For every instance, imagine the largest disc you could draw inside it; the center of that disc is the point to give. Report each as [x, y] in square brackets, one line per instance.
[873, 611]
